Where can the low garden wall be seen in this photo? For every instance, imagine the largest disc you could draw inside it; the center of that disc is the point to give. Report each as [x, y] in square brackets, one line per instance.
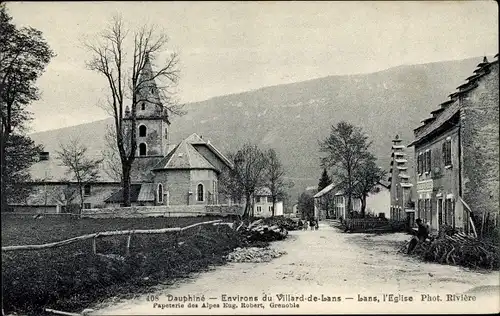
[163, 211]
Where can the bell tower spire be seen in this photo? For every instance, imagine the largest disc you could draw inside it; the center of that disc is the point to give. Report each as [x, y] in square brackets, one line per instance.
[152, 121]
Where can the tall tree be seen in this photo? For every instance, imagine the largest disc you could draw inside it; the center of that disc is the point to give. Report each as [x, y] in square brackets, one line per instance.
[24, 54]
[345, 149]
[249, 170]
[367, 176]
[81, 168]
[124, 81]
[324, 181]
[275, 177]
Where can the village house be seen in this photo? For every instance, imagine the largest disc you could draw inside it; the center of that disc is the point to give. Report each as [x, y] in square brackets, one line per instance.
[457, 154]
[400, 186]
[162, 174]
[263, 204]
[332, 202]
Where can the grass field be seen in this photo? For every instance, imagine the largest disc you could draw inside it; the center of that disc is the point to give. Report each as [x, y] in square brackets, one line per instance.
[71, 277]
[23, 231]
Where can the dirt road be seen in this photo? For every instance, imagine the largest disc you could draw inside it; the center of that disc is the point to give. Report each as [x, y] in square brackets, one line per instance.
[338, 270]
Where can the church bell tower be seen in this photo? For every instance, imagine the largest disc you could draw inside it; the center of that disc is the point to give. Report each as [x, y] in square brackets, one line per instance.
[151, 117]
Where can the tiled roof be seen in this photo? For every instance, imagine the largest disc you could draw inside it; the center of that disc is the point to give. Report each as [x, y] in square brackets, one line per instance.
[117, 197]
[184, 156]
[437, 120]
[147, 192]
[52, 171]
[325, 190]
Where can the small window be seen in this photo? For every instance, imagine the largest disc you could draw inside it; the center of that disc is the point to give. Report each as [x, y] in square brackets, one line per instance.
[87, 206]
[270, 209]
[259, 209]
[143, 106]
[269, 199]
[142, 149]
[257, 199]
[200, 193]
[86, 190]
[142, 131]
[160, 193]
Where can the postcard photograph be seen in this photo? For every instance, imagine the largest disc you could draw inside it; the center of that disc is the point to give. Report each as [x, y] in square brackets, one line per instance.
[249, 157]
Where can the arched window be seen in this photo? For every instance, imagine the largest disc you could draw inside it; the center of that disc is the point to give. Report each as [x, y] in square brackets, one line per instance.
[142, 131]
[199, 192]
[160, 193]
[143, 106]
[142, 149]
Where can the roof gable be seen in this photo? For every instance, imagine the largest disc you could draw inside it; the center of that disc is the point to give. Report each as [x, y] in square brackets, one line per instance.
[184, 156]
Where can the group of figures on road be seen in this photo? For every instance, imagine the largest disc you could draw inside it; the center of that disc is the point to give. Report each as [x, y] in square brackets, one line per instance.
[313, 223]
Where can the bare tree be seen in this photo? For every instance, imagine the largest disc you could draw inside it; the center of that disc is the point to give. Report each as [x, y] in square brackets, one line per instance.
[108, 58]
[346, 148]
[248, 173]
[275, 177]
[81, 168]
[229, 185]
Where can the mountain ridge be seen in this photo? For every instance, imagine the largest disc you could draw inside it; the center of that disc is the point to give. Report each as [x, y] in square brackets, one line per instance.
[294, 117]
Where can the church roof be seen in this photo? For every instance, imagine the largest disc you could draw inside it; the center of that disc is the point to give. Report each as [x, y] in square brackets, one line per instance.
[184, 156]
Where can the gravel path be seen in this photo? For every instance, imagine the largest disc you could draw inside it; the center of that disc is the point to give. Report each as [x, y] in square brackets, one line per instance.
[336, 268]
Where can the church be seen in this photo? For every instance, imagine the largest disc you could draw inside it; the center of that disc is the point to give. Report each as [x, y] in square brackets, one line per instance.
[185, 173]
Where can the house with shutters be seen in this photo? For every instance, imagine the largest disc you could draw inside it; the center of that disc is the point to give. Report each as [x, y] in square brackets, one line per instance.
[457, 154]
[263, 204]
[331, 202]
[166, 174]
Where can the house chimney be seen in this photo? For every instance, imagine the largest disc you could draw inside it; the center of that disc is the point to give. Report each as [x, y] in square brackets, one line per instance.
[44, 155]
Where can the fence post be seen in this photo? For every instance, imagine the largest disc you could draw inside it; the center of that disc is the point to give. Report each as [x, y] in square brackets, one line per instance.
[127, 252]
[94, 246]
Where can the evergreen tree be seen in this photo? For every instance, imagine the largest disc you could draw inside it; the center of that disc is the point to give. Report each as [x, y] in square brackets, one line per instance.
[324, 181]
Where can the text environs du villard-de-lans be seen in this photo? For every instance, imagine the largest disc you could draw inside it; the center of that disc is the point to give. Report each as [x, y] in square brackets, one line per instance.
[290, 298]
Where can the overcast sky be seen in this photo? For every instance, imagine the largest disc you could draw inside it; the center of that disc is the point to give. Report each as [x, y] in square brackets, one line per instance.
[229, 47]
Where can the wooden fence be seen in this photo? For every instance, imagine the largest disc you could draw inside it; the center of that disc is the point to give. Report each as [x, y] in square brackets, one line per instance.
[373, 225]
[94, 236]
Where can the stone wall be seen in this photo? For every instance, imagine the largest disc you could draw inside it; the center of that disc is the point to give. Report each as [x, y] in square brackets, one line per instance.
[480, 145]
[163, 211]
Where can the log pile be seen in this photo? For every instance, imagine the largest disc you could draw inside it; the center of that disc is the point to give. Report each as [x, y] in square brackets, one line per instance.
[254, 254]
[258, 231]
[286, 223]
[459, 249]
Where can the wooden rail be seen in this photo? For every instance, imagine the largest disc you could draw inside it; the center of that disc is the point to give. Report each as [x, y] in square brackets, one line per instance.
[103, 234]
